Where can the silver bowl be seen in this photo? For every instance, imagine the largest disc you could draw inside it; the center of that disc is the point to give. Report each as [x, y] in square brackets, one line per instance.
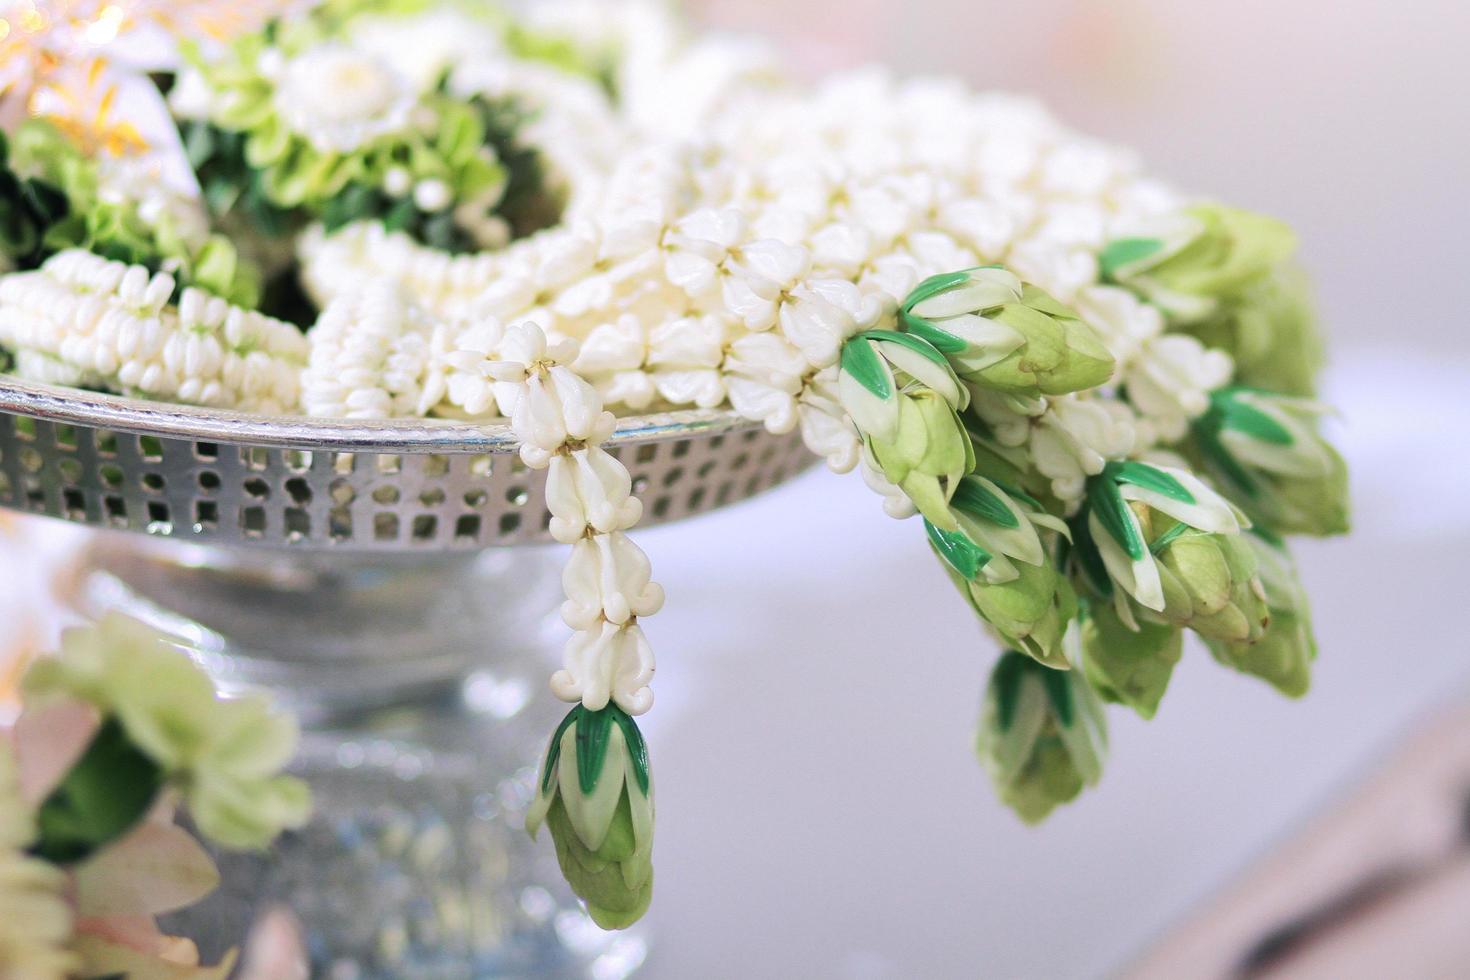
[356, 570]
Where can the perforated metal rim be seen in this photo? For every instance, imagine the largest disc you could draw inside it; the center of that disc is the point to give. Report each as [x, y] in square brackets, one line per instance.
[118, 414]
[216, 477]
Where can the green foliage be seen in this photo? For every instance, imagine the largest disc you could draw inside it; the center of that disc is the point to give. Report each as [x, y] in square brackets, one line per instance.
[107, 792]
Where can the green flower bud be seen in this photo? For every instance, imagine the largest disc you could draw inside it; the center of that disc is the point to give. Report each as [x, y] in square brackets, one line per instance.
[1004, 334]
[1190, 265]
[1172, 548]
[904, 398]
[1025, 600]
[1042, 735]
[1225, 276]
[1210, 582]
[596, 795]
[1126, 665]
[1283, 656]
[1267, 450]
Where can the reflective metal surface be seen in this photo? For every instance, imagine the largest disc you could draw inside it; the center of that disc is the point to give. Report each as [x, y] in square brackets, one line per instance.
[414, 485]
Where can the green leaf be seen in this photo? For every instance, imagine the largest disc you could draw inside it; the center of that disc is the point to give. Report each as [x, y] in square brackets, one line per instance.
[1113, 512]
[1148, 477]
[1059, 691]
[916, 344]
[593, 731]
[862, 362]
[1089, 559]
[553, 752]
[108, 791]
[943, 341]
[1243, 417]
[973, 497]
[1006, 681]
[1125, 251]
[637, 747]
[935, 285]
[958, 551]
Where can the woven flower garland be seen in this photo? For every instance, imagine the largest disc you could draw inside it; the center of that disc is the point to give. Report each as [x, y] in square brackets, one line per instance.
[1094, 392]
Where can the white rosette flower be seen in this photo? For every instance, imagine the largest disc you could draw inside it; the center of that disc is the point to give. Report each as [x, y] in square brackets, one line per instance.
[339, 97]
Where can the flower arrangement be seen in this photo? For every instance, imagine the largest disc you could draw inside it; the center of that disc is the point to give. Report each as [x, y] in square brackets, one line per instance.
[119, 731]
[1095, 392]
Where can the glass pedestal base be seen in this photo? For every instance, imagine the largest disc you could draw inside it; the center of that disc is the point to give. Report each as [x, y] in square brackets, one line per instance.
[420, 682]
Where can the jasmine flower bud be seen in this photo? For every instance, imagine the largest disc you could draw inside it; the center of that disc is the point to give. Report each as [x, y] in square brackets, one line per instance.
[1128, 665]
[1193, 264]
[595, 793]
[1283, 655]
[1004, 334]
[996, 559]
[904, 398]
[1042, 735]
[1267, 450]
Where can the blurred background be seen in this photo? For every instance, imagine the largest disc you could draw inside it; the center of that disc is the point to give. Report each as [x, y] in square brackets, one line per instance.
[822, 814]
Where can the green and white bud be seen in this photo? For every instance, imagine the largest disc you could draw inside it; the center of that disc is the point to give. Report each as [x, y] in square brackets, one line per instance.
[1271, 331]
[996, 559]
[1283, 656]
[1266, 449]
[1125, 665]
[1172, 546]
[1194, 263]
[1005, 334]
[1226, 276]
[1042, 737]
[905, 400]
[595, 793]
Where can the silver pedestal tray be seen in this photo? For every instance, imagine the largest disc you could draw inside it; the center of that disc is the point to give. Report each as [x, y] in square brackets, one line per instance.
[361, 572]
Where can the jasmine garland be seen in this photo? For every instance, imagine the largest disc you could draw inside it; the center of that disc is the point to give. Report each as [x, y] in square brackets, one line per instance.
[1091, 388]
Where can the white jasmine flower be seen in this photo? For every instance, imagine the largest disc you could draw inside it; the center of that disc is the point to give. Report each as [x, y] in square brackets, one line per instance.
[1170, 382]
[610, 663]
[608, 577]
[1075, 438]
[764, 374]
[587, 488]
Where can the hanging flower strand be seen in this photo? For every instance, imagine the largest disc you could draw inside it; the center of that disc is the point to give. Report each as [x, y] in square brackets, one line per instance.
[604, 814]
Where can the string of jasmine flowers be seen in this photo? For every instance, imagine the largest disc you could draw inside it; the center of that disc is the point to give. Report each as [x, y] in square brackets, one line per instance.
[1094, 392]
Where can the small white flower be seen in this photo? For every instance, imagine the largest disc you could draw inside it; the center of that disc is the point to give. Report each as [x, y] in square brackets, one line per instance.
[607, 663]
[608, 577]
[588, 488]
[1075, 438]
[1170, 381]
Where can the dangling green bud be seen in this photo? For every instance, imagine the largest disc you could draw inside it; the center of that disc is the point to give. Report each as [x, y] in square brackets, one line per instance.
[1042, 735]
[1192, 264]
[1271, 331]
[1283, 656]
[997, 560]
[904, 398]
[1225, 276]
[1001, 333]
[1125, 665]
[1210, 582]
[1170, 545]
[1267, 450]
[596, 794]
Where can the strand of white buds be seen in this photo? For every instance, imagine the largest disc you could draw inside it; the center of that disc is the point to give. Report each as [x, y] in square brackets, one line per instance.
[560, 422]
[116, 324]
